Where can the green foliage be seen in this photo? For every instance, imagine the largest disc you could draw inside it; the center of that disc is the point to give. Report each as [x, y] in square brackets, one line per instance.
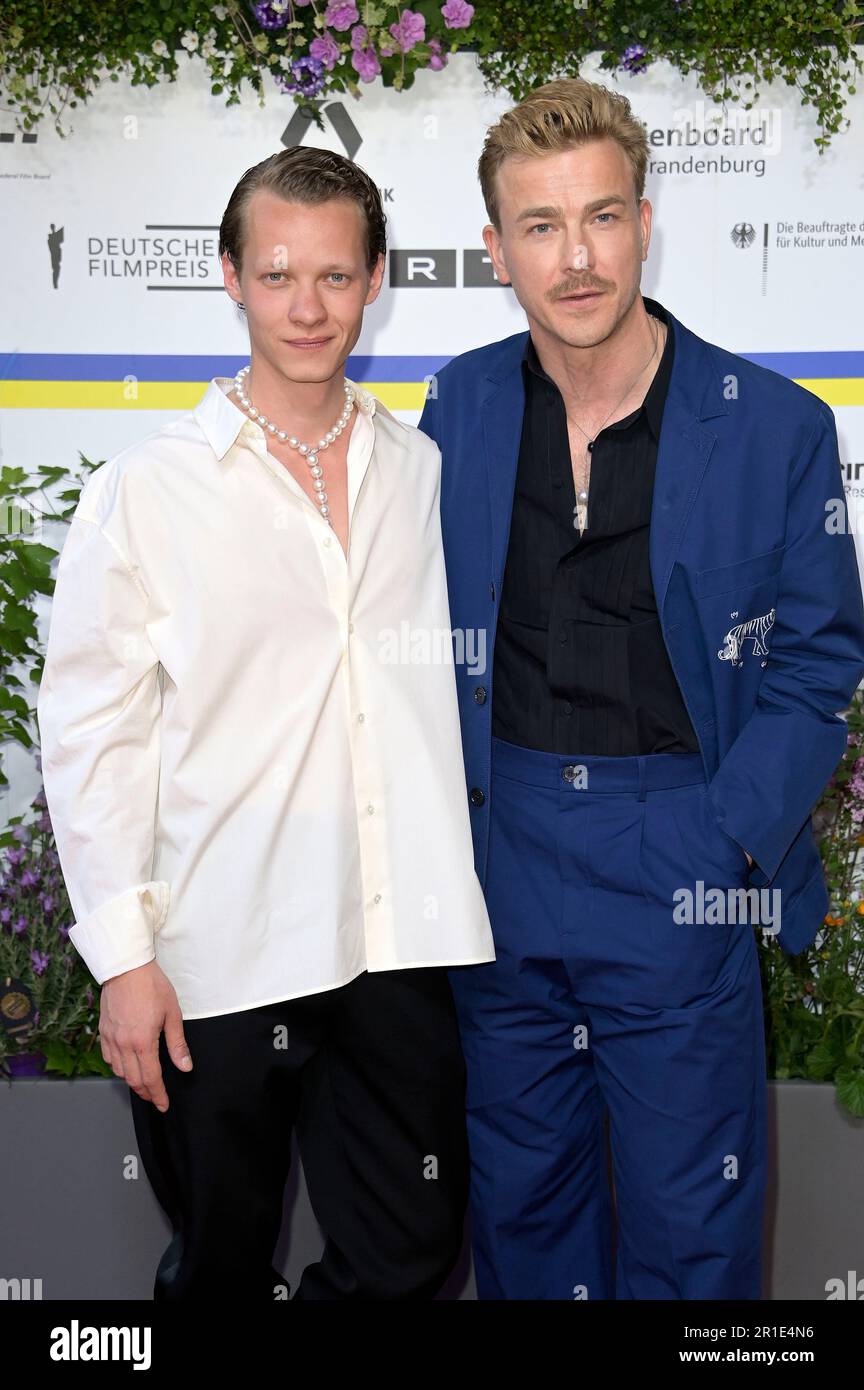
[62, 1017]
[814, 1001]
[53, 57]
[25, 572]
[732, 47]
[35, 914]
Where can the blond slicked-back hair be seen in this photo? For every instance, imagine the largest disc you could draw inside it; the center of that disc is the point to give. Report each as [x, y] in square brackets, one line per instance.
[558, 116]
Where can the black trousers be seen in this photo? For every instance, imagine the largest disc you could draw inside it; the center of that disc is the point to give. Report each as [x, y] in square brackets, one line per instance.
[372, 1077]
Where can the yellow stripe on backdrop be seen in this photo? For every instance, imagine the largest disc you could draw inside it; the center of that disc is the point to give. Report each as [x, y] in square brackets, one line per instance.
[161, 395]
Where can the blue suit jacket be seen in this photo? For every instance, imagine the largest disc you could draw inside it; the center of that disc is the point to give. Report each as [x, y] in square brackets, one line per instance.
[741, 549]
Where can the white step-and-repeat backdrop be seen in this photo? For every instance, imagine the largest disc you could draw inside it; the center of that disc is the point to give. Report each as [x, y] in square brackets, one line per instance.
[108, 242]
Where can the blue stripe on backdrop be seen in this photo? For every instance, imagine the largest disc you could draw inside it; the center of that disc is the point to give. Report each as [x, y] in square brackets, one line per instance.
[71, 366]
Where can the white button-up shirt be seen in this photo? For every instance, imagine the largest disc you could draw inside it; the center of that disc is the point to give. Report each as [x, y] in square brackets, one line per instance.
[250, 774]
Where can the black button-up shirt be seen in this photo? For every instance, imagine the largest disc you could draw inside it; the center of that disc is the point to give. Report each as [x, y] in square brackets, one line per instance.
[580, 661]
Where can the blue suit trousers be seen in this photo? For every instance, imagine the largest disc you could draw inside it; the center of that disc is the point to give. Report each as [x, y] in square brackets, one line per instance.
[601, 1005]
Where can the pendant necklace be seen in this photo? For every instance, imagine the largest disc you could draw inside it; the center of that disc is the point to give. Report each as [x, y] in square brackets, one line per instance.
[309, 451]
[581, 507]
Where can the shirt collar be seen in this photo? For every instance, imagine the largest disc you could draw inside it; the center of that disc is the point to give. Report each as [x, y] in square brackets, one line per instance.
[655, 398]
[222, 421]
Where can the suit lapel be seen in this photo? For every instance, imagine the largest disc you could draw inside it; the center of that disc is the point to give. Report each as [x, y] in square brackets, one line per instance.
[502, 411]
[683, 451]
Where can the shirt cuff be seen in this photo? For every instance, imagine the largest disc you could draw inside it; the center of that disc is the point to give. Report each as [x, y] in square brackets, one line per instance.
[120, 935]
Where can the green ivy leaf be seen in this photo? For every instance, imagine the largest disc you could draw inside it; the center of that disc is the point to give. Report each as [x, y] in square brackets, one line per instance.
[850, 1088]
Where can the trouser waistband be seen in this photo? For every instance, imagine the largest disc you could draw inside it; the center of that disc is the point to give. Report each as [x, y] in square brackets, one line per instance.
[592, 773]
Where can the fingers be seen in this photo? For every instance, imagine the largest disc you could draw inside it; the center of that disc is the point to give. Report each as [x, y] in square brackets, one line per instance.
[137, 1007]
[144, 1074]
[175, 1039]
[139, 1067]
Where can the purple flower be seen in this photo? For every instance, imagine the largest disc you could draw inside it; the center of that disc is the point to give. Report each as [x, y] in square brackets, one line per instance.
[457, 14]
[438, 59]
[270, 18]
[360, 36]
[365, 63]
[633, 58]
[28, 878]
[47, 902]
[340, 15]
[326, 50]
[6, 916]
[63, 931]
[39, 961]
[15, 856]
[21, 833]
[308, 77]
[88, 995]
[410, 30]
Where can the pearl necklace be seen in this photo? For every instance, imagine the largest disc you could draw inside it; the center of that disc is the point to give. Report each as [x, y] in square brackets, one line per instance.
[309, 451]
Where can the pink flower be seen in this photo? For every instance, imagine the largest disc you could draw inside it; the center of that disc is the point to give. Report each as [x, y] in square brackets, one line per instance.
[341, 15]
[326, 50]
[410, 30]
[457, 14]
[365, 63]
[438, 59]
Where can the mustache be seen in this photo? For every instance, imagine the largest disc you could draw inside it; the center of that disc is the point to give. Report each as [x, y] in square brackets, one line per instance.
[576, 289]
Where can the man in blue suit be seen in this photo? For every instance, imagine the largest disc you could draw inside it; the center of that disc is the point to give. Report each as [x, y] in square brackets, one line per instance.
[645, 525]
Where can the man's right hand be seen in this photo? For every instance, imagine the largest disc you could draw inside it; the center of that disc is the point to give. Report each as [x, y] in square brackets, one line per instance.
[135, 1008]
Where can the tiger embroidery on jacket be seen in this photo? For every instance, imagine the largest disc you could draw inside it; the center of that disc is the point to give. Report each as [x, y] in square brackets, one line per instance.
[753, 630]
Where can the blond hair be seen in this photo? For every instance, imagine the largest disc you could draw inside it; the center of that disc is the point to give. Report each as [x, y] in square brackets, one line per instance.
[559, 116]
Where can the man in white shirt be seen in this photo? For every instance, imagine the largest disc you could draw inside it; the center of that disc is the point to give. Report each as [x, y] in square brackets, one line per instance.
[260, 815]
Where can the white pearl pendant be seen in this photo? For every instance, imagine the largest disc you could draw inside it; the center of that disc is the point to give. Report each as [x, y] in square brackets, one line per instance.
[308, 451]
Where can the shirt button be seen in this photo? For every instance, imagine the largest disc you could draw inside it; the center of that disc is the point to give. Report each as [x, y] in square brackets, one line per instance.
[326, 540]
[476, 796]
[562, 636]
[480, 694]
[377, 898]
[370, 808]
[568, 708]
[568, 773]
[360, 718]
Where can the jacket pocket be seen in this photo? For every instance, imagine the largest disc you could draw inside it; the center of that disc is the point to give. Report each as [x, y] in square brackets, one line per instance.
[743, 574]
